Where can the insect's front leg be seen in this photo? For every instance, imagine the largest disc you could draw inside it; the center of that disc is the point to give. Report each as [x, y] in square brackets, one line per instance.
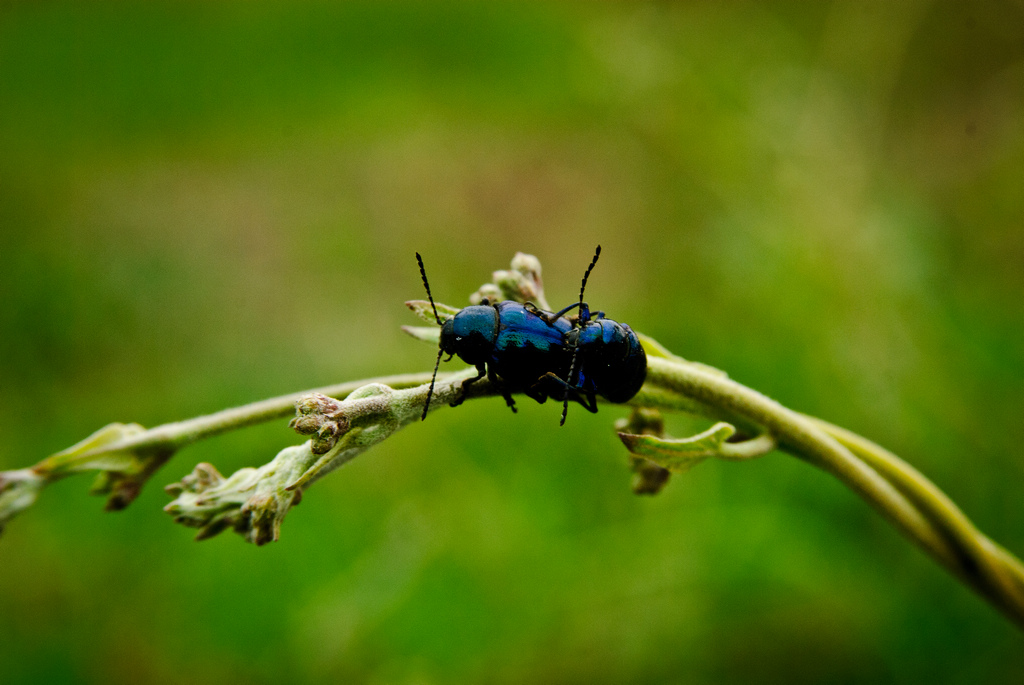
[503, 388]
[481, 371]
[548, 317]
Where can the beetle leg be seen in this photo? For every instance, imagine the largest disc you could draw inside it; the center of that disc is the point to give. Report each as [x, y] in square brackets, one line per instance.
[562, 312]
[481, 371]
[547, 317]
[587, 400]
[536, 392]
[500, 385]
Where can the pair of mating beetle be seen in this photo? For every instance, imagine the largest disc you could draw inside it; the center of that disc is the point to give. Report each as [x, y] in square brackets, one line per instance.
[521, 348]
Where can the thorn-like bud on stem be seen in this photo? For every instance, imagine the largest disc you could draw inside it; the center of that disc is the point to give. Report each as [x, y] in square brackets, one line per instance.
[320, 416]
[520, 284]
[252, 502]
[489, 292]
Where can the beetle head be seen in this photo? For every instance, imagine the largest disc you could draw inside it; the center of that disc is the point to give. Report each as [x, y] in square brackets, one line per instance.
[471, 333]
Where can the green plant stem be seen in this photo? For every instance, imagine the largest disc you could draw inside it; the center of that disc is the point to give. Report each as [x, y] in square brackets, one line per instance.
[988, 565]
[171, 437]
[345, 420]
[901, 494]
[183, 433]
[126, 456]
[914, 505]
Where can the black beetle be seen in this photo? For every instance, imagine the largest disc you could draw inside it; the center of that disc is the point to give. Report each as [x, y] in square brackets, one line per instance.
[521, 348]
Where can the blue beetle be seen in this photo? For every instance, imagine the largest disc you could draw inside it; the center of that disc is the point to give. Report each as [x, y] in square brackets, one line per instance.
[521, 348]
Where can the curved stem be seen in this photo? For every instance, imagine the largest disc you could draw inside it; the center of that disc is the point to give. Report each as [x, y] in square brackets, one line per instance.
[747, 449]
[990, 566]
[914, 505]
[909, 501]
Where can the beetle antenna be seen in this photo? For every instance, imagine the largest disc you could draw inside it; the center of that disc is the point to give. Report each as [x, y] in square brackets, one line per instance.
[430, 392]
[572, 365]
[423, 273]
[593, 263]
[565, 398]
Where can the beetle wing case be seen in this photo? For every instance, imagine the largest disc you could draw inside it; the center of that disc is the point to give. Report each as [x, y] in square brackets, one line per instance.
[527, 346]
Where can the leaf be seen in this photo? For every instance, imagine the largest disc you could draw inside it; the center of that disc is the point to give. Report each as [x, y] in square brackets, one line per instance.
[18, 491]
[422, 309]
[679, 454]
[94, 453]
[431, 334]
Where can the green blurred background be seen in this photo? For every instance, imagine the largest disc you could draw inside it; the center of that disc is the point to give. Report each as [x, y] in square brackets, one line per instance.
[202, 205]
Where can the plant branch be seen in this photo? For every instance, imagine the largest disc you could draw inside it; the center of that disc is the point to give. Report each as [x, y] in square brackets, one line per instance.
[914, 505]
[345, 420]
[127, 455]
